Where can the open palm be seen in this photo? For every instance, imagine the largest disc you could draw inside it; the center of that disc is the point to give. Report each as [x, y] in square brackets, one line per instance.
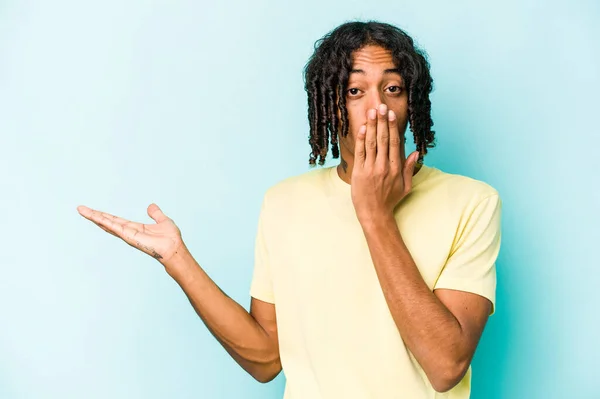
[160, 240]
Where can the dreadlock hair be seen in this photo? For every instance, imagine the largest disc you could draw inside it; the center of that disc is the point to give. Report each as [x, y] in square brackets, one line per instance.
[326, 78]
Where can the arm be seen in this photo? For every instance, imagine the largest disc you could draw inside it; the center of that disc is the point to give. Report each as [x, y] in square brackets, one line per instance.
[441, 329]
[250, 338]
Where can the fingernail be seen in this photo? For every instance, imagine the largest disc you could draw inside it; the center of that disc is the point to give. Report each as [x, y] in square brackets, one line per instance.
[382, 109]
[391, 115]
[372, 114]
[362, 130]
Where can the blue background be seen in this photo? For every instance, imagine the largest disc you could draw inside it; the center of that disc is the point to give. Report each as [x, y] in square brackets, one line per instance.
[200, 107]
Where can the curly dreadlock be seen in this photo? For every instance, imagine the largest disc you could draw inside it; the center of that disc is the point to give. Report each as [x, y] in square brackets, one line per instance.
[326, 77]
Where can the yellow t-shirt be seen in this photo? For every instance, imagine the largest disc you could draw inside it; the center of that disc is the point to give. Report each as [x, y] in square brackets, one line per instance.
[337, 338]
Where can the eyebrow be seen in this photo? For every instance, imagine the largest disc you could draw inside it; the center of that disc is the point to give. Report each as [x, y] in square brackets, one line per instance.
[386, 72]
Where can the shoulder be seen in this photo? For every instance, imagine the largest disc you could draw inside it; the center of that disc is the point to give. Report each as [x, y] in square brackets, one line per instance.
[298, 187]
[457, 188]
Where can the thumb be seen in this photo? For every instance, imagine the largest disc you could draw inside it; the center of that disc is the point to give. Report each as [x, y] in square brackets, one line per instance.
[156, 214]
[409, 168]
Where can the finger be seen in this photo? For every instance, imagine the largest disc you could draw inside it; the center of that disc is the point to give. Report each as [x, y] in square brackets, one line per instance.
[395, 141]
[105, 229]
[104, 222]
[156, 214]
[359, 146]
[116, 219]
[382, 135]
[409, 168]
[371, 136]
[126, 231]
[123, 222]
[84, 211]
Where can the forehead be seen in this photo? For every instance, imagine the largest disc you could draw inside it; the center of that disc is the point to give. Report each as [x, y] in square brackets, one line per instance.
[372, 57]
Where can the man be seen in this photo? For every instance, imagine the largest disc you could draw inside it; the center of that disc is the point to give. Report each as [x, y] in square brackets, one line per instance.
[372, 279]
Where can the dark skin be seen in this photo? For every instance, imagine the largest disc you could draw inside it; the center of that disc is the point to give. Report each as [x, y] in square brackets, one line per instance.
[366, 90]
[441, 328]
[250, 338]
[343, 164]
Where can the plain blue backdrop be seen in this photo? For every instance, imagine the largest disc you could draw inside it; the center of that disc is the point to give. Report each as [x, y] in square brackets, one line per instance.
[200, 107]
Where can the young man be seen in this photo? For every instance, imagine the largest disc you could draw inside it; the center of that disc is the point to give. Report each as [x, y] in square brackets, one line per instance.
[372, 279]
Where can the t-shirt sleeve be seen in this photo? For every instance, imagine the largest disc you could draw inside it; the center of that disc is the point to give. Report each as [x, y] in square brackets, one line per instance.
[471, 265]
[261, 286]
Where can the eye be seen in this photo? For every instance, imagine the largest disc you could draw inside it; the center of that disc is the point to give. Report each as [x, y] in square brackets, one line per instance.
[353, 91]
[395, 89]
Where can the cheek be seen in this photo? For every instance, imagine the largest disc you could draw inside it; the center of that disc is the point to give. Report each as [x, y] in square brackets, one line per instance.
[356, 118]
[402, 114]
[346, 144]
[347, 141]
[354, 122]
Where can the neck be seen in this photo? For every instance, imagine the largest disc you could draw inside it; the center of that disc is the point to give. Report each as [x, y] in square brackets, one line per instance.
[344, 169]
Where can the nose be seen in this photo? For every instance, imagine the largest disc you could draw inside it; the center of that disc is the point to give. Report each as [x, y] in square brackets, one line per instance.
[376, 99]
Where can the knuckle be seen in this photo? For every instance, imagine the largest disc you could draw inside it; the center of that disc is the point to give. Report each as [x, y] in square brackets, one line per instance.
[371, 144]
[381, 169]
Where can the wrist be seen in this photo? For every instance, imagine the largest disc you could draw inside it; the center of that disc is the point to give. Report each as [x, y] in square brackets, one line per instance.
[181, 262]
[370, 218]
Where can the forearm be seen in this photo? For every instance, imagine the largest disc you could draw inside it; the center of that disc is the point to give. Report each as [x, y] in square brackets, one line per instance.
[237, 331]
[428, 328]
